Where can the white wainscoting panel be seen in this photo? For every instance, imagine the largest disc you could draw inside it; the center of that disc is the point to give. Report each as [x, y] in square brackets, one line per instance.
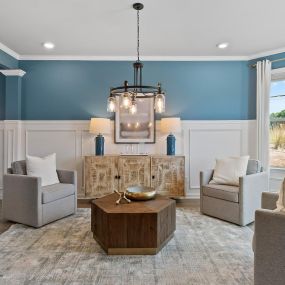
[207, 145]
[200, 141]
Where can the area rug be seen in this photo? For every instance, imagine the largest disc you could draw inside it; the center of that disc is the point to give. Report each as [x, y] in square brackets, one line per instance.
[204, 250]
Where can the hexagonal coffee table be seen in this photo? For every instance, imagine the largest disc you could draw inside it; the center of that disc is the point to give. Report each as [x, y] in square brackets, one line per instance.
[142, 227]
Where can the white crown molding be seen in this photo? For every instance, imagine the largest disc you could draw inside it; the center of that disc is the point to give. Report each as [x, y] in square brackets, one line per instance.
[9, 51]
[132, 58]
[13, 72]
[266, 53]
[144, 58]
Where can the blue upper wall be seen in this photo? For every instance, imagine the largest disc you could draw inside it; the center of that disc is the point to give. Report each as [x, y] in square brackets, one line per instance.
[223, 90]
[2, 97]
[7, 61]
[59, 90]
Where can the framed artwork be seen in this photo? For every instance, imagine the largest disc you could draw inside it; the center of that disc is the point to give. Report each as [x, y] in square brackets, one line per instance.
[135, 128]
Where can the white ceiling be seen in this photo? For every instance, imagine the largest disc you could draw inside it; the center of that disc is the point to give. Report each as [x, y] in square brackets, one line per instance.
[168, 27]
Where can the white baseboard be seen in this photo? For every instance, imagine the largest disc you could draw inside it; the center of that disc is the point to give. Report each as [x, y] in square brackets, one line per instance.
[193, 193]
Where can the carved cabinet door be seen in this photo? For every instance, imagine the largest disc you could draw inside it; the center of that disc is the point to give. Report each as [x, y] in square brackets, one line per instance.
[134, 170]
[167, 175]
[100, 175]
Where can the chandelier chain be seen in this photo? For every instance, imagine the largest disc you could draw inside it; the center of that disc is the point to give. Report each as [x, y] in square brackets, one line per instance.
[138, 34]
[137, 90]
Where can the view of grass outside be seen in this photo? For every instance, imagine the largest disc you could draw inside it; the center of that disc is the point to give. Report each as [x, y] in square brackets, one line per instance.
[277, 124]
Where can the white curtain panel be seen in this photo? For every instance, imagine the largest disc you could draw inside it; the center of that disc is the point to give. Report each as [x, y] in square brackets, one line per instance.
[263, 79]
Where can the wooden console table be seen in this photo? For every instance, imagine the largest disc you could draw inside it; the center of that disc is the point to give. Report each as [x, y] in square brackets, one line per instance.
[103, 174]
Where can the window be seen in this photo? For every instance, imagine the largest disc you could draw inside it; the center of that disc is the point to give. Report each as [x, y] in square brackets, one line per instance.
[277, 122]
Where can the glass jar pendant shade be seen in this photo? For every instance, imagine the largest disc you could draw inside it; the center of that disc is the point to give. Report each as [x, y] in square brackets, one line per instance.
[133, 108]
[126, 100]
[160, 103]
[111, 105]
[131, 94]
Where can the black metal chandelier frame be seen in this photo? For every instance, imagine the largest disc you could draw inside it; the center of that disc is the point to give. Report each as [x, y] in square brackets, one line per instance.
[137, 90]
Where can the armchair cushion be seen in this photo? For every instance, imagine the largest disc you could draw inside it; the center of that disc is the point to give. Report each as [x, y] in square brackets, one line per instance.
[19, 167]
[224, 192]
[228, 170]
[55, 192]
[253, 166]
[44, 167]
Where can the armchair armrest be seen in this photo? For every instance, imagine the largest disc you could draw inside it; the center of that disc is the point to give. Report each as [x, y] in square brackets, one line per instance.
[269, 254]
[206, 176]
[251, 188]
[21, 185]
[269, 200]
[22, 199]
[67, 176]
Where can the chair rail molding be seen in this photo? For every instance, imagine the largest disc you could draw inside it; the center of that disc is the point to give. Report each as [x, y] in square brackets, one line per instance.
[200, 141]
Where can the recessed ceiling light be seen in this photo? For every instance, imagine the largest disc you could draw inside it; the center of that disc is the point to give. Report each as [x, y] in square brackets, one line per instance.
[48, 45]
[222, 45]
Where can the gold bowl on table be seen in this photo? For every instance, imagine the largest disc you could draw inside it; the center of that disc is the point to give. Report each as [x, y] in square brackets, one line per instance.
[140, 193]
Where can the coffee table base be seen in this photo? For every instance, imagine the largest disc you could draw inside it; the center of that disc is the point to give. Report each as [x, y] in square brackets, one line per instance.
[134, 251]
[139, 228]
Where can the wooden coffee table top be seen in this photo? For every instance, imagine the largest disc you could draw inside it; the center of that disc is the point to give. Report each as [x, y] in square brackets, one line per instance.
[108, 205]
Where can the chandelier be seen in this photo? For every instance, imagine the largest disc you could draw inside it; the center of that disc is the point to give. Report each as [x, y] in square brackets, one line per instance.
[129, 94]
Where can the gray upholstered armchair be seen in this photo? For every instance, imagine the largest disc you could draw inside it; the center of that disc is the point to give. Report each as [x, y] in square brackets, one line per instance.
[26, 201]
[236, 204]
[269, 244]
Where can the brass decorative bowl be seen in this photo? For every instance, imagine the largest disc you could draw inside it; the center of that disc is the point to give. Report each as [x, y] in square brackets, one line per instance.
[140, 193]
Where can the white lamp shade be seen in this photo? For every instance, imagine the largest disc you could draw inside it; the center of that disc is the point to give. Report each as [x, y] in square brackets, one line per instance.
[170, 125]
[100, 126]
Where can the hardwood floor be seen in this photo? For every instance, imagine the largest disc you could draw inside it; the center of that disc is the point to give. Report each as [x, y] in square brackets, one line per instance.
[85, 203]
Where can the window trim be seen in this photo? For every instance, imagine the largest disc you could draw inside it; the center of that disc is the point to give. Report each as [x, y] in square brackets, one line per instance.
[278, 74]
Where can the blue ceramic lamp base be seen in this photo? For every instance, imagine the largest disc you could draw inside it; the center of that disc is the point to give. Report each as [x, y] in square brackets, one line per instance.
[170, 144]
[99, 145]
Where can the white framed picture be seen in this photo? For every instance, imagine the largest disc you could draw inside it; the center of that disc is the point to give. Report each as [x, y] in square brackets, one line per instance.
[138, 127]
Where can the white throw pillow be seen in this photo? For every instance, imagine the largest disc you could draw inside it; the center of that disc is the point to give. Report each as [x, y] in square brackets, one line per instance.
[228, 170]
[281, 200]
[44, 167]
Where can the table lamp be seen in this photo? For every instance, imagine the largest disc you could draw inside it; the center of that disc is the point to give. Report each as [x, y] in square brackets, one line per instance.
[99, 126]
[170, 126]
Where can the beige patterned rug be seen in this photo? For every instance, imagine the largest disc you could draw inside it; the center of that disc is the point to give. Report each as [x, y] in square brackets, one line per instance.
[204, 250]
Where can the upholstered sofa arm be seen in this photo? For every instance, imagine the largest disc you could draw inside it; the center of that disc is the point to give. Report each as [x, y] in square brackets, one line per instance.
[22, 198]
[251, 188]
[206, 176]
[21, 185]
[257, 182]
[67, 176]
[269, 254]
[268, 200]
